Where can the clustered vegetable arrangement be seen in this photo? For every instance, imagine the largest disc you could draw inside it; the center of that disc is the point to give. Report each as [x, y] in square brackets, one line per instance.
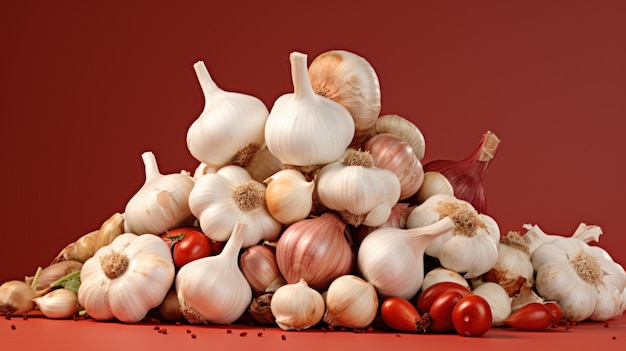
[319, 212]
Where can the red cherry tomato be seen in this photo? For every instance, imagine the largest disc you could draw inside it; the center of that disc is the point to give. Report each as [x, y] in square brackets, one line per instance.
[428, 296]
[555, 310]
[187, 244]
[532, 316]
[399, 314]
[471, 316]
[441, 311]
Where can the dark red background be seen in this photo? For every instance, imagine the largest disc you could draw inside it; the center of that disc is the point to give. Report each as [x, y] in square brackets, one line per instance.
[86, 87]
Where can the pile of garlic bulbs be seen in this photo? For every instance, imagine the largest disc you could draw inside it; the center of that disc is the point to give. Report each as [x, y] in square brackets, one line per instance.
[325, 209]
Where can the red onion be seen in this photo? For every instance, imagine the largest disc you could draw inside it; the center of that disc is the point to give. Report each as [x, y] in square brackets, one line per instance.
[316, 249]
[466, 176]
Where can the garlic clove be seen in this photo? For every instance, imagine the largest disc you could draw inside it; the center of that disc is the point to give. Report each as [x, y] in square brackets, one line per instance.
[297, 306]
[258, 265]
[351, 302]
[513, 267]
[442, 274]
[498, 299]
[289, 196]
[58, 304]
[433, 183]
[305, 130]
[230, 129]
[403, 128]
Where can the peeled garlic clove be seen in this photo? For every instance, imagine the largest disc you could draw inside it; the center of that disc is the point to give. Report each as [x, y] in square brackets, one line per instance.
[433, 183]
[58, 304]
[361, 192]
[230, 129]
[351, 81]
[403, 128]
[305, 130]
[351, 302]
[297, 306]
[498, 299]
[289, 196]
[161, 203]
[391, 152]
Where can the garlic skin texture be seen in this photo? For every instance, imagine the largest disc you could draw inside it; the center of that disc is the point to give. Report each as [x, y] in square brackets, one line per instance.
[351, 302]
[230, 195]
[351, 81]
[230, 129]
[126, 278]
[498, 299]
[513, 267]
[258, 265]
[58, 304]
[297, 306]
[289, 196]
[213, 289]
[392, 258]
[534, 236]
[403, 128]
[470, 247]
[161, 203]
[361, 192]
[584, 280]
[305, 130]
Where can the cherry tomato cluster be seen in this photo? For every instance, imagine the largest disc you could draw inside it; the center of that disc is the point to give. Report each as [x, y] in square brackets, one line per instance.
[451, 307]
[189, 244]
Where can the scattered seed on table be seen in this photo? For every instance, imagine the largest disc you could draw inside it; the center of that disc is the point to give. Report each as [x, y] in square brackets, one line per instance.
[193, 336]
[177, 323]
[228, 331]
[156, 327]
[24, 317]
[13, 327]
[259, 334]
[243, 333]
[188, 331]
[8, 317]
[283, 337]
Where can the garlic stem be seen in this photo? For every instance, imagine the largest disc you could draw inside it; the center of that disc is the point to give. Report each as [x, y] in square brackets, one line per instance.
[208, 86]
[65, 278]
[234, 243]
[150, 166]
[33, 285]
[489, 147]
[302, 88]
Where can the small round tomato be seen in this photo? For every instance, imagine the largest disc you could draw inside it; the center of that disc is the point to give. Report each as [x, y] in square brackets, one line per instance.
[440, 312]
[187, 244]
[555, 310]
[399, 314]
[471, 316]
[430, 294]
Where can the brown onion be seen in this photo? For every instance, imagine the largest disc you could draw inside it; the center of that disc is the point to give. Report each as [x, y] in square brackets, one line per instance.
[466, 176]
[316, 249]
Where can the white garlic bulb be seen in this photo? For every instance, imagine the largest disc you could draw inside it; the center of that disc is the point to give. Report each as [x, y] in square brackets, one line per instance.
[213, 289]
[161, 203]
[230, 195]
[392, 258]
[351, 302]
[58, 304]
[405, 129]
[230, 129]
[534, 236]
[305, 130]
[361, 192]
[297, 306]
[351, 81]
[289, 196]
[470, 247]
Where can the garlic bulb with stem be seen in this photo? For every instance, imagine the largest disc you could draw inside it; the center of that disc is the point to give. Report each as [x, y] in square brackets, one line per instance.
[16, 296]
[351, 302]
[498, 299]
[402, 127]
[316, 249]
[470, 246]
[513, 267]
[467, 175]
[258, 265]
[58, 304]
[161, 203]
[391, 152]
[350, 80]
[289, 196]
[220, 200]
[391, 259]
[230, 129]
[213, 289]
[584, 280]
[305, 130]
[296, 306]
[534, 236]
[53, 272]
[361, 192]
